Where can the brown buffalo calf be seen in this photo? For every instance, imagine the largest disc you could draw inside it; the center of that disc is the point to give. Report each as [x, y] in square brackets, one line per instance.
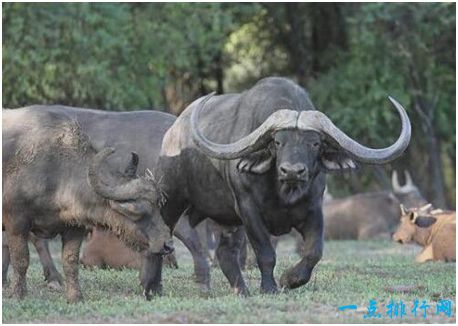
[435, 230]
[104, 250]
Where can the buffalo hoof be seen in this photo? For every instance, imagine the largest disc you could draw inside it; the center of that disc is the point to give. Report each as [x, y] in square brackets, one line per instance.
[74, 297]
[51, 277]
[291, 279]
[242, 291]
[150, 293]
[18, 291]
[204, 290]
[55, 286]
[270, 289]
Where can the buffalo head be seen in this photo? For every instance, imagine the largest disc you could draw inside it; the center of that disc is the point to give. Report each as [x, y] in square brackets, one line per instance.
[410, 219]
[137, 199]
[299, 144]
[408, 194]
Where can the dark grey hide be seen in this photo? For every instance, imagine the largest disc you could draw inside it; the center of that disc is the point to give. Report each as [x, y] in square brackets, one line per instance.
[272, 182]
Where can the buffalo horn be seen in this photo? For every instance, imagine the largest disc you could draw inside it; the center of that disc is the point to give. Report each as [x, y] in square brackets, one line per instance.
[315, 120]
[305, 120]
[261, 136]
[126, 191]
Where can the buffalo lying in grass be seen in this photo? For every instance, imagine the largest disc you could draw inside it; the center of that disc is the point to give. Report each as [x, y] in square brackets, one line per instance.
[434, 230]
[370, 215]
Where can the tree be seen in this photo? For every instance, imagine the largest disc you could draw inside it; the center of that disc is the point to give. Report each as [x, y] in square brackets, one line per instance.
[115, 56]
[408, 51]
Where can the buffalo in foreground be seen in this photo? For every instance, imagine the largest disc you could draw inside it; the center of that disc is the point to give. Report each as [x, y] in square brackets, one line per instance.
[55, 182]
[140, 132]
[259, 159]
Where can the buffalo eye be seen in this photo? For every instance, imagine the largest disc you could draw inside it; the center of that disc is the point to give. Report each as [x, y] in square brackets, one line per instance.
[316, 144]
[277, 143]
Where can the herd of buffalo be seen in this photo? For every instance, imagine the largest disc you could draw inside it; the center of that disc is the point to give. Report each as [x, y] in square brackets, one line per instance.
[232, 171]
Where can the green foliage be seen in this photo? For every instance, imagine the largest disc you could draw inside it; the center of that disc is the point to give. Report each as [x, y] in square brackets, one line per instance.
[402, 50]
[165, 55]
[386, 41]
[70, 53]
[110, 56]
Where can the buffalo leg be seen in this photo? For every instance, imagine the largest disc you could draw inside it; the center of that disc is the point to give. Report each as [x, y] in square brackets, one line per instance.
[228, 252]
[52, 276]
[207, 240]
[190, 238]
[249, 259]
[19, 251]
[243, 254]
[71, 244]
[5, 260]
[259, 238]
[312, 232]
[212, 238]
[151, 275]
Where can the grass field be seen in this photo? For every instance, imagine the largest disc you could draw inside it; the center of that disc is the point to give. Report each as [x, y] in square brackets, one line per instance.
[350, 273]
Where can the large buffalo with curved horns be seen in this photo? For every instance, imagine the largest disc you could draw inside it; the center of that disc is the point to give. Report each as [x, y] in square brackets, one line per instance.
[259, 159]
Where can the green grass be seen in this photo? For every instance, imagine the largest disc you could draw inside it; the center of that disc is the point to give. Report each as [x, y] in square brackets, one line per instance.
[350, 273]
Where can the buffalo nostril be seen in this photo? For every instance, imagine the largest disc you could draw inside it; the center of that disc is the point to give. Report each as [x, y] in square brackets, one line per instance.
[293, 170]
[301, 171]
[168, 248]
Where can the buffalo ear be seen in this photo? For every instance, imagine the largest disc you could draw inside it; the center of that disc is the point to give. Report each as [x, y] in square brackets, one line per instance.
[132, 210]
[258, 163]
[334, 160]
[131, 169]
[425, 221]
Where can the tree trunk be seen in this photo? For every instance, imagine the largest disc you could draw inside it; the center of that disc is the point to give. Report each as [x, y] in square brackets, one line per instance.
[219, 73]
[425, 110]
[435, 169]
[382, 178]
[328, 34]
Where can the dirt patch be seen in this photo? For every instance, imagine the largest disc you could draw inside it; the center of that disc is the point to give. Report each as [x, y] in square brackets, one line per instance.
[404, 288]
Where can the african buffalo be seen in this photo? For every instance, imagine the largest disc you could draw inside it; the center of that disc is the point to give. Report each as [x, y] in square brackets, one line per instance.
[141, 132]
[369, 215]
[103, 249]
[434, 230]
[259, 159]
[55, 182]
[409, 195]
